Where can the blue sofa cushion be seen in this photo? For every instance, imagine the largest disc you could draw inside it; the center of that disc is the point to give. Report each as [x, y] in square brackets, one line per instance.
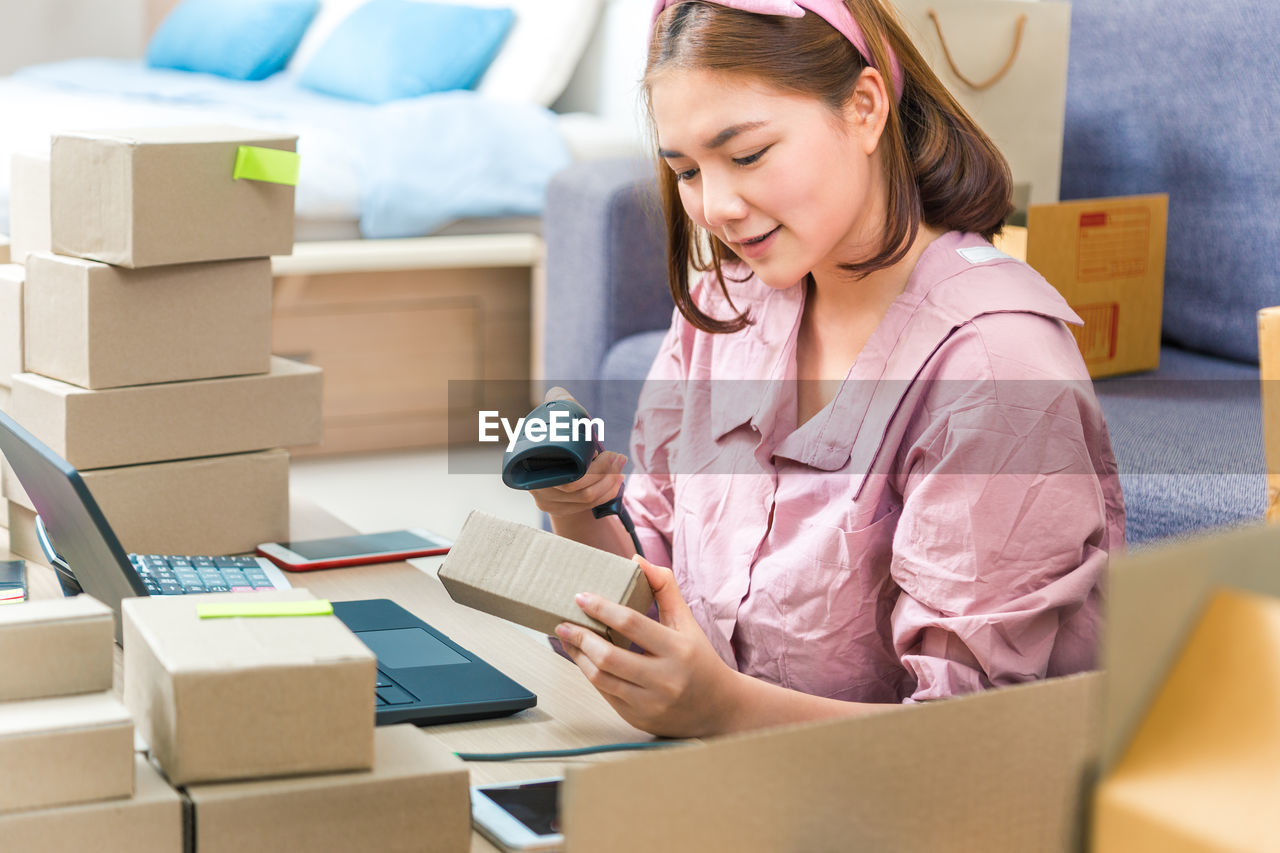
[1194, 112]
[1188, 441]
[621, 378]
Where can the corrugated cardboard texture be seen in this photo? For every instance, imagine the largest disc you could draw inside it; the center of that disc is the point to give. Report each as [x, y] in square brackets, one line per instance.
[530, 576]
[1154, 598]
[415, 799]
[214, 505]
[99, 326]
[1269, 363]
[4, 503]
[71, 749]
[56, 647]
[1106, 257]
[174, 420]
[28, 206]
[1200, 772]
[246, 698]
[149, 822]
[22, 532]
[1003, 770]
[11, 280]
[152, 196]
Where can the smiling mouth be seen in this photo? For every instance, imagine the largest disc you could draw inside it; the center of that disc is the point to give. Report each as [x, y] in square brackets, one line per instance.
[761, 238]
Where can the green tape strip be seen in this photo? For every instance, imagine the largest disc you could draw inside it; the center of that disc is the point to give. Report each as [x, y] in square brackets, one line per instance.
[266, 164]
[318, 607]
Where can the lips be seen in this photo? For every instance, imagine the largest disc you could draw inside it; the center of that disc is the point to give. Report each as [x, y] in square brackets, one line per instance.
[757, 246]
[759, 238]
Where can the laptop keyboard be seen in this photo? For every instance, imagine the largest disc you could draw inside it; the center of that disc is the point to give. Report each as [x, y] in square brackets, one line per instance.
[166, 575]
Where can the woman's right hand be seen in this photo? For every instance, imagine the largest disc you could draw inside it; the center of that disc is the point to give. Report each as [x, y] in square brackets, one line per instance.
[600, 484]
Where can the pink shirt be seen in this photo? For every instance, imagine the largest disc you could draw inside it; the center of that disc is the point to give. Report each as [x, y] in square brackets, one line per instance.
[939, 528]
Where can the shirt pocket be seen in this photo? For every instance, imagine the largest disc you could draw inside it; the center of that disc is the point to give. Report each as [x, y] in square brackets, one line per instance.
[837, 614]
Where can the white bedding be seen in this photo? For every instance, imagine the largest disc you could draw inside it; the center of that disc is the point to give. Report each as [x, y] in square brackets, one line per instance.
[403, 169]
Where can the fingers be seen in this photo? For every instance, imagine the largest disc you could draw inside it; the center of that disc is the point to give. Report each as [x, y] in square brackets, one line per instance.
[600, 661]
[635, 626]
[557, 393]
[599, 485]
[607, 465]
[673, 611]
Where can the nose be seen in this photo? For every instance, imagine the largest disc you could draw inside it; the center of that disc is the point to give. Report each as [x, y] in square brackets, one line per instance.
[721, 202]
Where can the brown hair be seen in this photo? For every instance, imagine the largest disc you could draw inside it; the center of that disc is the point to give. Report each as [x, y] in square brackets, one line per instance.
[940, 168]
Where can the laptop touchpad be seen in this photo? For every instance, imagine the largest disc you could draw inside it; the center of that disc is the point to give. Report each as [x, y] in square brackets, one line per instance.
[406, 648]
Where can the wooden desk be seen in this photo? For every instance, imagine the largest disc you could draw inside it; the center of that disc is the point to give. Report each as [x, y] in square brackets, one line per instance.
[569, 712]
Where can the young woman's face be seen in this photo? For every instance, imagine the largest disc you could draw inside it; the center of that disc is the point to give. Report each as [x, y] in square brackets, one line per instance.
[782, 180]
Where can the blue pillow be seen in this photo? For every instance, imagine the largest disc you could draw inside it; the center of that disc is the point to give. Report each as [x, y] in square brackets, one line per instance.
[240, 39]
[391, 49]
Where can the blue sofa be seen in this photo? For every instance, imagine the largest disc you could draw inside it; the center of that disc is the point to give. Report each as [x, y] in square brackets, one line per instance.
[1167, 96]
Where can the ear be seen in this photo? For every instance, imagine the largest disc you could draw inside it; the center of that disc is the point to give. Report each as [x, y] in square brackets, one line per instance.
[866, 112]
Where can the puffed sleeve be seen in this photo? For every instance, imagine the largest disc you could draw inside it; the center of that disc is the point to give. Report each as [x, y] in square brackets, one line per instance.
[648, 494]
[1003, 540]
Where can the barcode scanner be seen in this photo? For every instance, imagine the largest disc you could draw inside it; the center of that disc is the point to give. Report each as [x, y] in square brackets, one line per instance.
[555, 446]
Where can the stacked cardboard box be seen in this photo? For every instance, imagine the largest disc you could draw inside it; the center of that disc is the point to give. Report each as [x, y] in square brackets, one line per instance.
[11, 278]
[267, 723]
[146, 331]
[72, 780]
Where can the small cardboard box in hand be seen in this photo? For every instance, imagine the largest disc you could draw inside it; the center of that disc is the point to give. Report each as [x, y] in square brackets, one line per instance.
[530, 576]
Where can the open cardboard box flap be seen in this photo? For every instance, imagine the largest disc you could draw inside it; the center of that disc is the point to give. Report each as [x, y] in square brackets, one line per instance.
[1002, 770]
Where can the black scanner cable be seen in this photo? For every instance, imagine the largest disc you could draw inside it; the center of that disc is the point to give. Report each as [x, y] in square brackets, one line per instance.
[545, 461]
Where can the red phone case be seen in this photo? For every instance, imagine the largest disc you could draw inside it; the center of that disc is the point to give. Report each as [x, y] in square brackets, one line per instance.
[343, 562]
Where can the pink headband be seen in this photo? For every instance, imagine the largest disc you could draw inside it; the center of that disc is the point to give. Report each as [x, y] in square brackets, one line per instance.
[834, 12]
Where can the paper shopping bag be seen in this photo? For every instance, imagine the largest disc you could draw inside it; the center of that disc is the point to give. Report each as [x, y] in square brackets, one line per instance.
[1005, 61]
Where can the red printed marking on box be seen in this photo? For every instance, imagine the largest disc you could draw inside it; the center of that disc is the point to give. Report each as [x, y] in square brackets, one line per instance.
[1097, 337]
[1116, 247]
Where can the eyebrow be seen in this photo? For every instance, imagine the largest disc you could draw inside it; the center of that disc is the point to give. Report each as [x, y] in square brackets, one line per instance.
[719, 139]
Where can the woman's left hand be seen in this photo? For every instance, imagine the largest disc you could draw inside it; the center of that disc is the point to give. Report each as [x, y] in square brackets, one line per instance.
[679, 687]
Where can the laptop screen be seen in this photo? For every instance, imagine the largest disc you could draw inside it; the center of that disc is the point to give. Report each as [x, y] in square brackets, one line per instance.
[76, 527]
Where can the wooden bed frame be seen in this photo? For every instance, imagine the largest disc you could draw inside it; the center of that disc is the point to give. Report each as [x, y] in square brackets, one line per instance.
[393, 321]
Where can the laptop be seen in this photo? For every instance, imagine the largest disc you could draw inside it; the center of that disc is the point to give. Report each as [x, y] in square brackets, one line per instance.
[423, 676]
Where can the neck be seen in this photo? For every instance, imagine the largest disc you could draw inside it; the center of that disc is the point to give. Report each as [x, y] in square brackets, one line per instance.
[842, 298]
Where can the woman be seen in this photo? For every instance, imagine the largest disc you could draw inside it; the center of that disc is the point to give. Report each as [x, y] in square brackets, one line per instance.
[868, 449]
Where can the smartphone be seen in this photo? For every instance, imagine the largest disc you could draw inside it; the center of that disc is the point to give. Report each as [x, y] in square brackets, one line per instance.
[354, 550]
[520, 816]
[13, 581]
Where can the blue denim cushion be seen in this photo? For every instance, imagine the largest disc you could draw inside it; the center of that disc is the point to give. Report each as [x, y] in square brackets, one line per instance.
[240, 39]
[1180, 96]
[392, 49]
[1188, 441]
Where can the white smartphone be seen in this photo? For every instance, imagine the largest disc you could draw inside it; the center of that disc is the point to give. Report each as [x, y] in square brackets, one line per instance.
[520, 816]
[354, 550]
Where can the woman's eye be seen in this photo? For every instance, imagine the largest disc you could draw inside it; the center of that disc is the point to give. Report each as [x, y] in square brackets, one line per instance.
[687, 175]
[751, 158]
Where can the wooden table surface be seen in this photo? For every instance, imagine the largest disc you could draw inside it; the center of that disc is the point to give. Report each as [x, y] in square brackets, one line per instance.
[569, 713]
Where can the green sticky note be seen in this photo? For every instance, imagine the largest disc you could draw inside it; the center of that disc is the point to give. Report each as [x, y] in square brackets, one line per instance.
[266, 164]
[228, 610]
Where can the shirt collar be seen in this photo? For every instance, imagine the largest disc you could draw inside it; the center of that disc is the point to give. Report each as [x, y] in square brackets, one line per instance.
[958, 277]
